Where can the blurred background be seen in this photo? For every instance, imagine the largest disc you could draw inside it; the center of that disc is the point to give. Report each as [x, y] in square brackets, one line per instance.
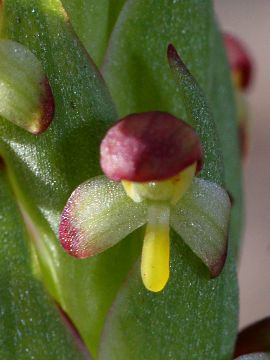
[250, 21]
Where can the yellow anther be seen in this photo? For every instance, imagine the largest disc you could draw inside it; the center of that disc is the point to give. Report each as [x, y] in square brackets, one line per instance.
[130, 189]
[182, 182]
[169, 190]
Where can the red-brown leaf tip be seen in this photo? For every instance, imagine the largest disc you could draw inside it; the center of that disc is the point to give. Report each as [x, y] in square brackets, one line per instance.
[47, 107]
[173, 56]
[74, 333]
[171, 51]
[149, 146]
[217, 267]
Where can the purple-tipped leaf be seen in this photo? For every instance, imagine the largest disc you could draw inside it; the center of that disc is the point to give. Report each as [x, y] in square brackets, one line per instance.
[26, 98]
[97, 215]
[75, 334]
[198, 112]
[149, 146]
[201, 218]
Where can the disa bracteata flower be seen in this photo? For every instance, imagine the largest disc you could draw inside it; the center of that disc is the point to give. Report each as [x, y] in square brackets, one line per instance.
[150, 161]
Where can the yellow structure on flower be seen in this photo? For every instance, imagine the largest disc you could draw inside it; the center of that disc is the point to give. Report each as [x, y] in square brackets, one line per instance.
[155, 263]
[149, 160]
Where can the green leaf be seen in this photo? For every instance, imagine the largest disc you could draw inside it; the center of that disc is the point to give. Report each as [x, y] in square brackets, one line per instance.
[89, 19]
[30, 325]
[191, 318]
[163, 325]
[93, 21]
[198, 112]
[115, 7]
[45, 170]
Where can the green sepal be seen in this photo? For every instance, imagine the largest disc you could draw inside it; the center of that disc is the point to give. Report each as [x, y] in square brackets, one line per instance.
[201, 218]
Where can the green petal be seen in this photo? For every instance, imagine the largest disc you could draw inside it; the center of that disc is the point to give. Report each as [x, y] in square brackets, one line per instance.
[201, 218]
[98, 215]
[26, 97]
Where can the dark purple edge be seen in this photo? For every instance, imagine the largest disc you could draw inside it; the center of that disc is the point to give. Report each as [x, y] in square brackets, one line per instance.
[175, 59]
[217, 266]
[254, 338]
[47, 107]
[2, 162]
[74, 333]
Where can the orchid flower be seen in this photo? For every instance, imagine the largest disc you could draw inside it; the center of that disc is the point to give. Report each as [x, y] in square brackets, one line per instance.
[150, 161]
[240, 62]
[242, 71]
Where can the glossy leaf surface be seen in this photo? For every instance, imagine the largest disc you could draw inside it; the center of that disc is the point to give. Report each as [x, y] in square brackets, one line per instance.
[30, 325]
[93, 22]
[46, 170]
[90, 21]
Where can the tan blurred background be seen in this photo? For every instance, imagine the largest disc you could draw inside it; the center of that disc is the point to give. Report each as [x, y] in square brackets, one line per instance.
[250, 20]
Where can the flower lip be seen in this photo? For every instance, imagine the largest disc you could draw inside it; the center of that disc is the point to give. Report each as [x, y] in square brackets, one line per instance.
[239, 59]
[149, 146]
